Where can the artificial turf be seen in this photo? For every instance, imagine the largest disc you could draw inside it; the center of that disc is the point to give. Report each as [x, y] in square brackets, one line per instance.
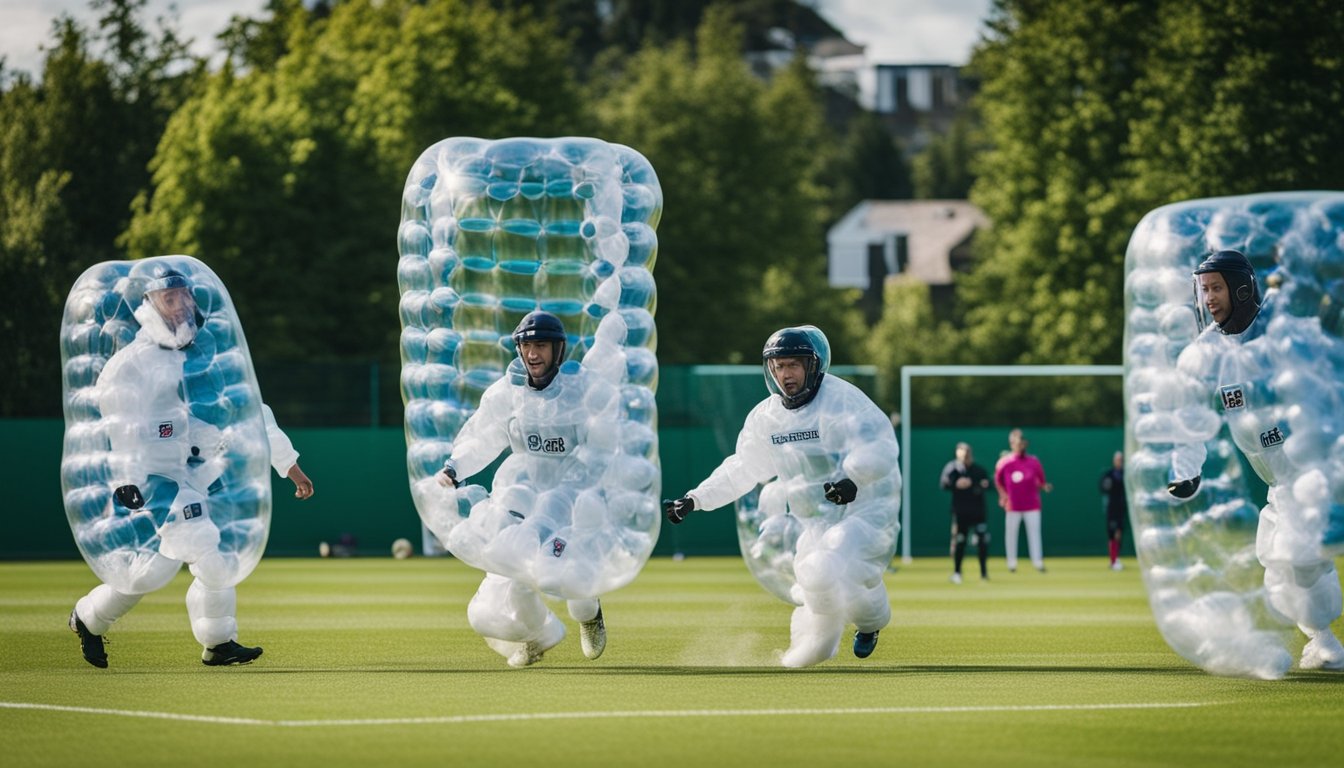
[371, 662]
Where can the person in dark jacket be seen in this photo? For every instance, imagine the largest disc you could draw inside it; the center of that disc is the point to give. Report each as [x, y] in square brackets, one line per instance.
[1117, 509]
[968, 482]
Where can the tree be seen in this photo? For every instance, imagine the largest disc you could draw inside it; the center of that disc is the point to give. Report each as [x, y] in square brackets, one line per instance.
[1095, 113]
[909, 333]
[1098, 112]
[943, 170]
[869, 166]
[294, 173]
[259, 43]
[1239, 98]
[629, 25]
[741, 248]
[1056, 100]
[73, 153]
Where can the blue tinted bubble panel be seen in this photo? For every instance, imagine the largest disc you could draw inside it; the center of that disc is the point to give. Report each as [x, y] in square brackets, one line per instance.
[158, 417]
[516, 225]
[511, 226]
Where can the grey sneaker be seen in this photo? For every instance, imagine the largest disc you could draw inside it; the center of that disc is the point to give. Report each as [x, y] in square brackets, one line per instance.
[229, 653]
[90, 644]
[593, 636]
[528, 655]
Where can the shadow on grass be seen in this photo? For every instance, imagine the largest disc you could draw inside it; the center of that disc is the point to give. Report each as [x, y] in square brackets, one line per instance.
[875, 669]
[681, 670]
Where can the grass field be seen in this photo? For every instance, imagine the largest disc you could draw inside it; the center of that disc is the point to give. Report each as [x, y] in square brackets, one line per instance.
[371, 661]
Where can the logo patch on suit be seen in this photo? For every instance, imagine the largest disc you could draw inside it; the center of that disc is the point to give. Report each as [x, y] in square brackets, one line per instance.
[1233, 396]
[166, 430]
[793, 437]
[538, 444]
[191, 510]
[557, 546]
[1271, 438]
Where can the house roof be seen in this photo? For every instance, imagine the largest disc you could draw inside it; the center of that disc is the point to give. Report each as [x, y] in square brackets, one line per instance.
[932, 229]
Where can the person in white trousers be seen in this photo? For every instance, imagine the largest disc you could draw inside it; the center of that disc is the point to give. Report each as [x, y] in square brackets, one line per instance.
[1299, 530]
[155, 439]
[543, 530]
[829, 464]
[1020, 478]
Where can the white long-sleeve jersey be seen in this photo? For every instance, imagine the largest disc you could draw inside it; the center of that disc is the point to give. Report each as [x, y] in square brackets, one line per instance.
[840, 434]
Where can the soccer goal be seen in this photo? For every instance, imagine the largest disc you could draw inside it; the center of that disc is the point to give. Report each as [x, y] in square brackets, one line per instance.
[911, 372]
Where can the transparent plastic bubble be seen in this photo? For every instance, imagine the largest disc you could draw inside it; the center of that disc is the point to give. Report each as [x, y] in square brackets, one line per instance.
[179, 417]
[507, 227]
[1209, 404]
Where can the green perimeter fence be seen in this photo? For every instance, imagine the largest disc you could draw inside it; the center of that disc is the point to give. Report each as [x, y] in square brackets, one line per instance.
[362, 491]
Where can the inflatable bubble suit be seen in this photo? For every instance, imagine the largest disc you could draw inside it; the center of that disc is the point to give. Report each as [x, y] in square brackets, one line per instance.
[184, 426]
[493, 230]
[1226, 581]
[786, 511]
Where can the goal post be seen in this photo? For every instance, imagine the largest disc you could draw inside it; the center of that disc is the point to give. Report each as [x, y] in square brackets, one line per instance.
[910, 372]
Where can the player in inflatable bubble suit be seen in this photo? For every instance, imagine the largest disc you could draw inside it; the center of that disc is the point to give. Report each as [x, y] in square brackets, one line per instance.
[829, 462]
[172, 462]
[1238, 360]
[544, 529]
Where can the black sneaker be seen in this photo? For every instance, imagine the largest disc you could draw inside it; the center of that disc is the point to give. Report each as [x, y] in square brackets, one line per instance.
[89, 643]
[865, 643]
[229, 653]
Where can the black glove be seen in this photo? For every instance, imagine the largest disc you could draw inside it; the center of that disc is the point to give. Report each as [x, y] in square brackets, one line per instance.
[129, 496]
[679, 509]
[1184, 489]
[450, 472]
[842, 491]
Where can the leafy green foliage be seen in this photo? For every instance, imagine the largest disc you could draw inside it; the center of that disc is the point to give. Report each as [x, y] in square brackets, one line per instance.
[281, 169]
[73, 151]
[909, 333]
[1095, 113]
[286, 180]
[869, 166]
[943, 171]
[739, 161]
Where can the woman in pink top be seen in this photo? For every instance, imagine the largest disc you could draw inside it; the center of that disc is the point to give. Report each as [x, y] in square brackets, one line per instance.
[1020, 479]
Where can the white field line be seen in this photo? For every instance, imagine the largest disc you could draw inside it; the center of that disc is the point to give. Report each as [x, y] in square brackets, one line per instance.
[533, 716]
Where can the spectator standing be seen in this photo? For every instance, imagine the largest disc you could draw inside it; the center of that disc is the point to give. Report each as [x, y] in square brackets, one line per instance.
[967, 482]
[1020, 478]
[1117, 508]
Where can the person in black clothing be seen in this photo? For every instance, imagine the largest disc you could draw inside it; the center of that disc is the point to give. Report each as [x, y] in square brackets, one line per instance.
[968, 482]
[1117, 508]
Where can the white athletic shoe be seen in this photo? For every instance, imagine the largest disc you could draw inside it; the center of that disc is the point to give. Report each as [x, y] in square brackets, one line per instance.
[956, 578]
[1323, 651]
[527, 655]
[593, 636]
[1117, 566]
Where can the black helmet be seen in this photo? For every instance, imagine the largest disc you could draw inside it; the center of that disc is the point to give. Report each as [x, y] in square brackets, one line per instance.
[1242, 289]
[543, 326]
[806, 342]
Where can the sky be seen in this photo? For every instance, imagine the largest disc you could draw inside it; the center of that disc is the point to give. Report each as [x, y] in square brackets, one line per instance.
[893, 31]
[909, 31]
